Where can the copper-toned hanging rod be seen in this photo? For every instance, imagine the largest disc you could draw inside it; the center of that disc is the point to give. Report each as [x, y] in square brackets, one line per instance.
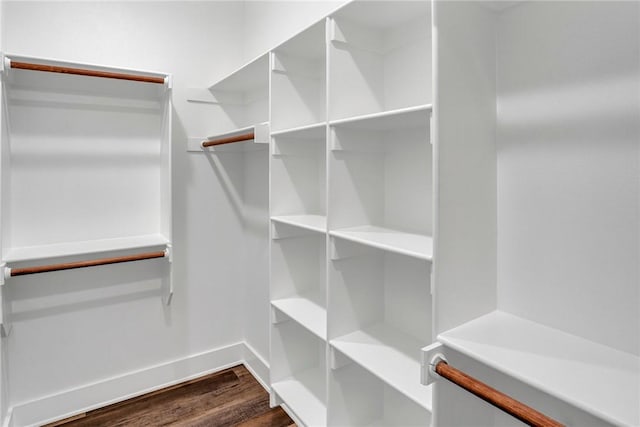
[228, 140]
[496, 398]
[83, 72]
[81, 264]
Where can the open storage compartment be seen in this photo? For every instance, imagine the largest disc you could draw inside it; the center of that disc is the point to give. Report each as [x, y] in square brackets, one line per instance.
[380, 57]
[298, 80]
[538, 210]
[298, 276]
[380, 314]
[298, 372]
[381, 182]
[298, 178]
[357, 398]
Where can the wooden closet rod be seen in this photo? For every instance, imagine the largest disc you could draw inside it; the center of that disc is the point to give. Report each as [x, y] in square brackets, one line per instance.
[498, 399]
[83, 72]
[244, 137]
[81, 264]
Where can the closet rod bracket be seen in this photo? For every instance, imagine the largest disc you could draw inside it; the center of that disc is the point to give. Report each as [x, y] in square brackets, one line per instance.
[5, 323]
[168, 285]
[431, 355]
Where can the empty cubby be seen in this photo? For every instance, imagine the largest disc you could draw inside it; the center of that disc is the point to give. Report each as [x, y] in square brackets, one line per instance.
[298, 276]
[298, 177]
[298, 371]
[380, 316]
[381, 182]
[380, 57]
[358, 398]
[298, 80]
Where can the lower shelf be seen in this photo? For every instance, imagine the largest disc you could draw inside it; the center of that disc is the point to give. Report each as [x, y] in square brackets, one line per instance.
[301, 395]
[415, 245]
[595, 378]
[390, 355]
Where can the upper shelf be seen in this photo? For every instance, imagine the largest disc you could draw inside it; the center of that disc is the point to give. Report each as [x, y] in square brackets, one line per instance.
[87, 247]
[24, 73]
[595, 378]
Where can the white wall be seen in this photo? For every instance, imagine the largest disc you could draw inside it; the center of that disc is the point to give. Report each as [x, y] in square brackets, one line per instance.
[568, 150]
[73, 328]
[269, 23]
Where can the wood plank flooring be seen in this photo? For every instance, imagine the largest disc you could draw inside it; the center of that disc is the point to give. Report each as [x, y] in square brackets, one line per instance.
[228, 398]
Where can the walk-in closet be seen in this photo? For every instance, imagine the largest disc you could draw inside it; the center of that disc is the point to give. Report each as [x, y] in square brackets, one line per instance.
[345, 212]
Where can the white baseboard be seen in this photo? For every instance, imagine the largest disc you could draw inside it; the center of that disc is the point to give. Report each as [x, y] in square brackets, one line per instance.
[258, 367]
[92, 396]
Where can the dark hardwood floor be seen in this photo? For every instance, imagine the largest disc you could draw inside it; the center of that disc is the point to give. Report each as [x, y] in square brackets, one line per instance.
[227, 398]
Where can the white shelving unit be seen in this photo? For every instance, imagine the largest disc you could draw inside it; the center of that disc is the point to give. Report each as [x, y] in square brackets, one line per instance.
[86, 162]
[430, 192]
[351, 204]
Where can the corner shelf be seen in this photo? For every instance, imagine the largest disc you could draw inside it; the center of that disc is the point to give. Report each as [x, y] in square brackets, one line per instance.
[410, 244]
[382, 350]
[595, 378]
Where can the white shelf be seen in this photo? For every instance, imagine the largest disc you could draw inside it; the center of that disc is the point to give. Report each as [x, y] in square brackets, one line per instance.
[306, 309]
[390, 355]
[312, 131]
[300, 395]
[309, 222]
[395, 119]
[414, 245]
[83, 248]
[597, 379]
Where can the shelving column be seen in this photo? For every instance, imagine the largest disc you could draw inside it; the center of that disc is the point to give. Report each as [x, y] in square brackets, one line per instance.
[380, 212]
[299, 226]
